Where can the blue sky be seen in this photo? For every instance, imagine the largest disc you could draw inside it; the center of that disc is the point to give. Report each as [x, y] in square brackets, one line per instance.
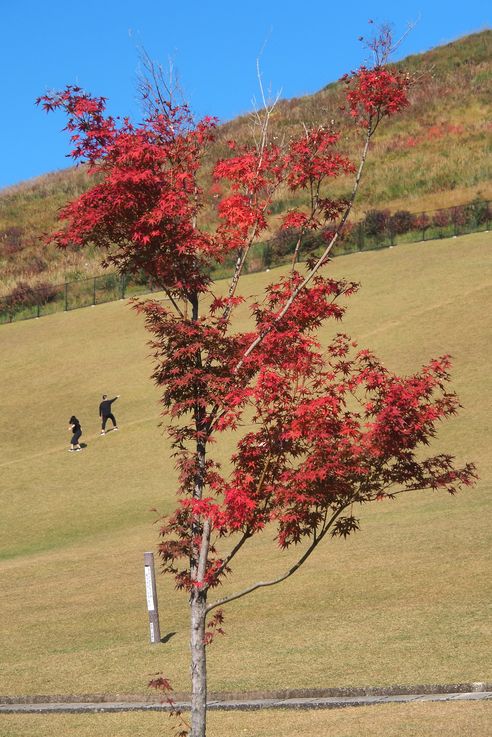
[213, 46]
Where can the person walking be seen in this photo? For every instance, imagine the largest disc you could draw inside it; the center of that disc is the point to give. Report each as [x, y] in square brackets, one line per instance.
[76, 430]
[105, 412]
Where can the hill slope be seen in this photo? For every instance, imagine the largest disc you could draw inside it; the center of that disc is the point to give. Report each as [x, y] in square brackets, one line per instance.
[403, 601]
[436, 154]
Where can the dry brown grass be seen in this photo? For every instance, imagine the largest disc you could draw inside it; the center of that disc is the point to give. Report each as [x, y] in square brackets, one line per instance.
[404, 601]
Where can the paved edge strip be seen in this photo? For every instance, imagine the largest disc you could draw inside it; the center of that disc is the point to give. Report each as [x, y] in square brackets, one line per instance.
[152, 697]
[244, 705]
[246, 702]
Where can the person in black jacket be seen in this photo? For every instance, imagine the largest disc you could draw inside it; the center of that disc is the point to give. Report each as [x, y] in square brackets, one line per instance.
[105, 412]
[76, 430]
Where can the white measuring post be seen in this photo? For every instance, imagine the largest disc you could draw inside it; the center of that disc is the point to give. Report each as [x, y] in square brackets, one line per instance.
[151, 591]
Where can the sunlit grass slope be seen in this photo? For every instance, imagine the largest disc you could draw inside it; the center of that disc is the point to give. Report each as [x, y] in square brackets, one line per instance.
[403, 601]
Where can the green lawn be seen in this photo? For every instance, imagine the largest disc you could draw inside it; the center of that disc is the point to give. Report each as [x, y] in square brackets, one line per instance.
[403, 601]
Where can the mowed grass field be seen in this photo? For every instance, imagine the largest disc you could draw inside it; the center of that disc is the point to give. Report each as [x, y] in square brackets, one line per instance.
[403, 601]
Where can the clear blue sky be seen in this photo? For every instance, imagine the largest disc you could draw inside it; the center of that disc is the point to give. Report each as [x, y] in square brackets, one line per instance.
[213, 44]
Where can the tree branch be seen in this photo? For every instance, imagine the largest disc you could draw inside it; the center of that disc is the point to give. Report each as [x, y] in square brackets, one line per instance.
[247, 534]
[263, 125]
[320, 261]
[284, 576]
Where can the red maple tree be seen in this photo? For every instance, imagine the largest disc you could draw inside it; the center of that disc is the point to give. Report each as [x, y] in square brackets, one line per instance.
[332, 428]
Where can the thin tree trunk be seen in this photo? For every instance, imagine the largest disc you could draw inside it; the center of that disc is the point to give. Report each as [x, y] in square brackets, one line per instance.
[198, 665]
[198, 565]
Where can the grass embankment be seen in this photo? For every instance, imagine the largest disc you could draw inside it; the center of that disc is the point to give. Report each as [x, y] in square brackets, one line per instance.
[403, 601]
[408, 720]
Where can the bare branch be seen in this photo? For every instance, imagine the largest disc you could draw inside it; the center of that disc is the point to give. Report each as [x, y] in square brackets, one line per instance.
[235, 550]
[382, 45]
[261, 122]
[247, 534]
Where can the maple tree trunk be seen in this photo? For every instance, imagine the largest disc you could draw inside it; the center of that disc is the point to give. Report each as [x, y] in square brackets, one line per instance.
[198, 665]
[198, 598]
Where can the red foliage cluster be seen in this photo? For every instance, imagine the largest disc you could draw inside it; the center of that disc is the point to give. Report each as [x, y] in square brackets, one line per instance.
[91, 131]
[376, 93]
[143, 209]
[315, 452]
[163, 684]
[214, 626]
[312, 158]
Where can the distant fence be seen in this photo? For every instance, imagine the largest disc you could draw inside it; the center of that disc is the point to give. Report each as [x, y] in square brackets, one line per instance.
[382, 229]
[29, 302]
[379, 229]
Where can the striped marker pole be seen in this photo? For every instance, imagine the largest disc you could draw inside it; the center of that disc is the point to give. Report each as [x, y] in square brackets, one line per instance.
[151, 591]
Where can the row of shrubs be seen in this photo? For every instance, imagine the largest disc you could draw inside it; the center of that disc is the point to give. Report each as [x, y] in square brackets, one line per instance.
[380, 228]
[25, 300]
[24, 296]
[377, 229]
[380, 222]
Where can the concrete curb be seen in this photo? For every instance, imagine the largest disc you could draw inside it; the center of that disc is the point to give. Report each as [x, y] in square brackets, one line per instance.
[242, 705]
[285, 699]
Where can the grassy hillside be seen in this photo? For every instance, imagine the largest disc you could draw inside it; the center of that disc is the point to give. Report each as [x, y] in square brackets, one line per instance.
[403, 601]
[436, 154]
[432, 155]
